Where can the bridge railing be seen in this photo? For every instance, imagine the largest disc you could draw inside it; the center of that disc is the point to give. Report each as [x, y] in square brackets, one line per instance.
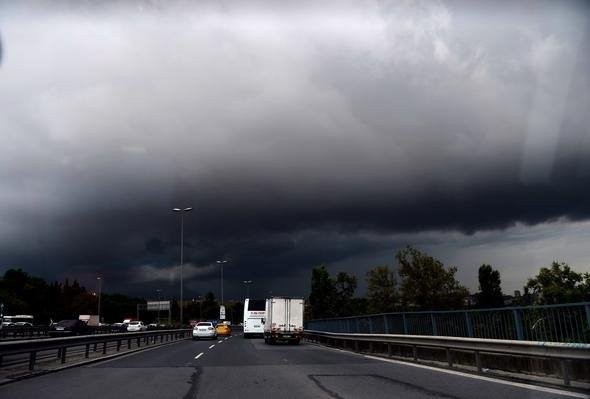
[572, 359]
[553, 323]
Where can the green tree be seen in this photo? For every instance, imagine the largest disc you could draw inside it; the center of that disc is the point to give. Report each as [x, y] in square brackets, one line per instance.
[559, 284]
[344, 288]
[210, 307]
[426, 284]
[381, 290]
[490, 290]
[322, 296]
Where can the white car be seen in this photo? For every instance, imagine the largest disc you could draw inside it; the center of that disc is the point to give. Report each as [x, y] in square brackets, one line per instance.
[204, 329]
[136, 326]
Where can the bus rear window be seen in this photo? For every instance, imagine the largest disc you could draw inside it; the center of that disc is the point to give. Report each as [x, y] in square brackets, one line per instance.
[256, 304]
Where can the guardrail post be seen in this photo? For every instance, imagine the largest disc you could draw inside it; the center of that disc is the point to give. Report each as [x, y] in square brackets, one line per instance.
[371, 347]
[63, 354]
[518, 324]
[118, 345]
[129, 343]
[449, 357]
[565, 372]
[478, 361]
[138, 342]
[104, 348]
[32, 359]
[389, 350]
[434, 332]
[94, 349]
[356, 346]
[415, 352]
[405, 323]
[1, 360]
[469, 325]
[87, 351]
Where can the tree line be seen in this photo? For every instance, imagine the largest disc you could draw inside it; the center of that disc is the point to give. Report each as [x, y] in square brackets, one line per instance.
[422, 282]
[21, 293]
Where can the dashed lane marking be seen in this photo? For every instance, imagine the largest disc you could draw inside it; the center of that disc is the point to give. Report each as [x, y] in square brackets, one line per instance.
[211, 346]
[199, 355]
[220, 341]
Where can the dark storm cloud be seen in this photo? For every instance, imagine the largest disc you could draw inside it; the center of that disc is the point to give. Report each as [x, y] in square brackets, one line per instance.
[300, 135]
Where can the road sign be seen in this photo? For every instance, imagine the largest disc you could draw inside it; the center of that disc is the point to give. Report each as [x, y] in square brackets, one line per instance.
[222, 312]
[158, 305]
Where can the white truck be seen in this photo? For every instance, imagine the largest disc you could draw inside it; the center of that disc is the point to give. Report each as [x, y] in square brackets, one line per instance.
[284, 320]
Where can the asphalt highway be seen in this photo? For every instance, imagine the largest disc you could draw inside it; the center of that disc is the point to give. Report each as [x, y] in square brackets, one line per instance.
[235, 367]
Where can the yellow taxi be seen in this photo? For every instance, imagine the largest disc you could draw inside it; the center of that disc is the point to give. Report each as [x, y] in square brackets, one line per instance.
[223, 328]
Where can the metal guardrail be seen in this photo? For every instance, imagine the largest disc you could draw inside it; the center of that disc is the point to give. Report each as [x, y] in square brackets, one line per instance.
[61, 345]
[555, 323]
[13, 332]
[562, 352]
[16, 332]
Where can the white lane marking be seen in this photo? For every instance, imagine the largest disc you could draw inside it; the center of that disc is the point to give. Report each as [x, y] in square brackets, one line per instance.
[220, 341]
[211, 346]
[199, 355]
[226, 339]
[479, 377]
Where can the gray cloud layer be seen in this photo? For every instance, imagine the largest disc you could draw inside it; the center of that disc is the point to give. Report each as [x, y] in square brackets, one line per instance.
[323, 122]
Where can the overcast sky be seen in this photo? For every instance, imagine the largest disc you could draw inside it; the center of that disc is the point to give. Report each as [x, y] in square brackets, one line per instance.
[301, 134]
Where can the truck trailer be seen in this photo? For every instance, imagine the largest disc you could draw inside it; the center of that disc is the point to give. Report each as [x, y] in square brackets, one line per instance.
[284, 320]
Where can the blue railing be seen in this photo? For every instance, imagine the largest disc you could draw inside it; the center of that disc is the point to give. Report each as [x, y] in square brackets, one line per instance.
[552, 323]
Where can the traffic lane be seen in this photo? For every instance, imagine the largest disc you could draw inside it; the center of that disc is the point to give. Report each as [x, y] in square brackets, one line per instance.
[254, 368]
[180, 354]
[109, 382]
[254, 352]
[240, 368]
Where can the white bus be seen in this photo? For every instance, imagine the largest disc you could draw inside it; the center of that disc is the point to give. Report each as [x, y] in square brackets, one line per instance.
[254, 315]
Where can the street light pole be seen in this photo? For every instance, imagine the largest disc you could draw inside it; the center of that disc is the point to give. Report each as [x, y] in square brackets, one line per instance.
[182, 211]
[99, 289]
[247, 283]
[221, 262]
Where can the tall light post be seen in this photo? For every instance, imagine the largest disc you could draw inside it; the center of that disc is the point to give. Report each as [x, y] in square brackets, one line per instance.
[99, 289]
[247, 283]
[221, 262]
[181, 211]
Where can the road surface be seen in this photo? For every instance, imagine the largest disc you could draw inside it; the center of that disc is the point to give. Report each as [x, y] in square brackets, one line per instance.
[247, 368]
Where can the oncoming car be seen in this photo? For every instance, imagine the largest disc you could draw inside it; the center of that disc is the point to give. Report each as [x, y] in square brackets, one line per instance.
[204, 329]
[136, 326]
